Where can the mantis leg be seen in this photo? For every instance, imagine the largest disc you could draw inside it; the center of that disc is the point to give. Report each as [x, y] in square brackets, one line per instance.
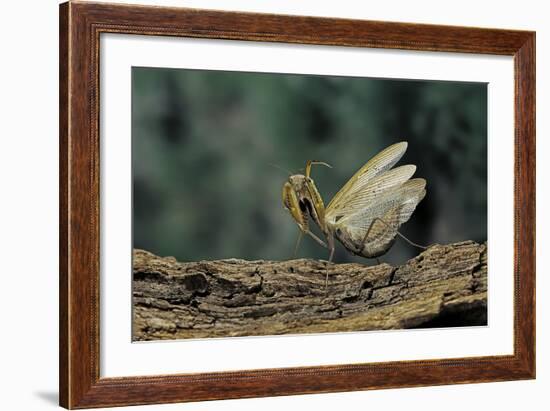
[397, 232]
[300, 234]
[330, 241]
[321, 242]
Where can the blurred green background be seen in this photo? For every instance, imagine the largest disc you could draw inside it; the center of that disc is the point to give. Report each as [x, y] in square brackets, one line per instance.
[203, 142]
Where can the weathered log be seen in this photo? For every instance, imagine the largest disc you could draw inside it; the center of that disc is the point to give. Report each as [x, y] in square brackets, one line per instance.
[446, 285]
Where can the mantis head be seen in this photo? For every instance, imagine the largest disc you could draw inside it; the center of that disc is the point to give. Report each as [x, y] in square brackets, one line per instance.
[302, 199]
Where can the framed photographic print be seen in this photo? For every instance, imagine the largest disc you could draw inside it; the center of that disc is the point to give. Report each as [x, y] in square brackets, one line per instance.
[256, 205]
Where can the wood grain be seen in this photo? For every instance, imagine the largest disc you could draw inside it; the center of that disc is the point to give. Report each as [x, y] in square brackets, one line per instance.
[64, 302]
[445, 285]
[81, 25]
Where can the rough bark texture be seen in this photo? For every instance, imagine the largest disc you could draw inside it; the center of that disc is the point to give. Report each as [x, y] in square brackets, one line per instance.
[446, 285]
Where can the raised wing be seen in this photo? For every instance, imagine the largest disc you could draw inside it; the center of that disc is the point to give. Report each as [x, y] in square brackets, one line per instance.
[409, 193]
[364, 195]
[383, 161]
[371, 230]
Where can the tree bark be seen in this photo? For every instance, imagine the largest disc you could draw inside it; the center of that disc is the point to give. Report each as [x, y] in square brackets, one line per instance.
[446, 285]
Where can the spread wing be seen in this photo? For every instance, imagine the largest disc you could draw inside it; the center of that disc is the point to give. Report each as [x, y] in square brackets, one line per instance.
[376, 166]
[404, 197]
[369, 193]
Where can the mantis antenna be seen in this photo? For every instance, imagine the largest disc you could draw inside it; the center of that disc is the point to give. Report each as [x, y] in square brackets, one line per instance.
[311, 162]
[280, 168]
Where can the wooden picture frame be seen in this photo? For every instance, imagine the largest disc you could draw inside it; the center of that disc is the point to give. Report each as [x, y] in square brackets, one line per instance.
[80, 27]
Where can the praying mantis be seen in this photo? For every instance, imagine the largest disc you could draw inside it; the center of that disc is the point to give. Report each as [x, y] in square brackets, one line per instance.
[366, 213]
